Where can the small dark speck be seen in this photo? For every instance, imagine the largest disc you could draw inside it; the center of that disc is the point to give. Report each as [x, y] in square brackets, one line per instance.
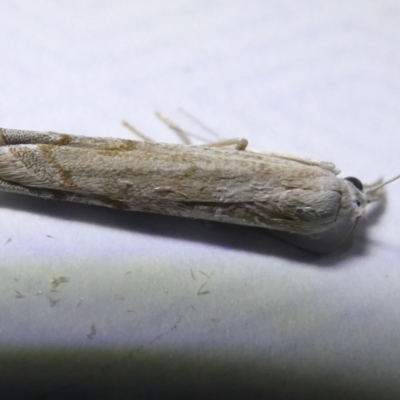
[58, 281]
[192, 274]
[19, 295]
[201, 292]
[53, 302]
[92, 332]
[206, 275]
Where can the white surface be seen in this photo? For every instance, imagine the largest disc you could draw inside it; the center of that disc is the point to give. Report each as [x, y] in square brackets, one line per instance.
[313, 78]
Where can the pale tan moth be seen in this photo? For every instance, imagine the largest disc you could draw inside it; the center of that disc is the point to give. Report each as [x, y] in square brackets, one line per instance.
[216, 182]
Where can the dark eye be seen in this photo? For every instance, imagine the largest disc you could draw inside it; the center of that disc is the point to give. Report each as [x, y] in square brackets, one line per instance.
[356, 182]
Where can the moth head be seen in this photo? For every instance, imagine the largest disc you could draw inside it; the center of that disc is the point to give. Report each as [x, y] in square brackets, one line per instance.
[358, 196]
[364, 194]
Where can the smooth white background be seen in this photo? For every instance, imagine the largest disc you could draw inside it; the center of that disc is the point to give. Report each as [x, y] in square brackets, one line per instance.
[313, 78]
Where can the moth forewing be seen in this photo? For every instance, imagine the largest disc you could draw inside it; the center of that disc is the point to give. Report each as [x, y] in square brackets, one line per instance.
[267, 190]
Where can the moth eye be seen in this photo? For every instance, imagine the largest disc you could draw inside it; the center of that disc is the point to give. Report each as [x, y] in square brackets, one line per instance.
[356, 182]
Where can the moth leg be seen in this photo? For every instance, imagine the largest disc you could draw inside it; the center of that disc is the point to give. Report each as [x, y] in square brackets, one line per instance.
[137, 132]
[177, 129]
[240, 143]
[180, 132]
[200, 123]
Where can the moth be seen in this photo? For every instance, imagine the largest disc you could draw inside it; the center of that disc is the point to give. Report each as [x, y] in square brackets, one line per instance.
[214, 182]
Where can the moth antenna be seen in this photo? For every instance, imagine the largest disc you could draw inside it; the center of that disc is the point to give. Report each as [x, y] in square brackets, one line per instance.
[372, 191]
